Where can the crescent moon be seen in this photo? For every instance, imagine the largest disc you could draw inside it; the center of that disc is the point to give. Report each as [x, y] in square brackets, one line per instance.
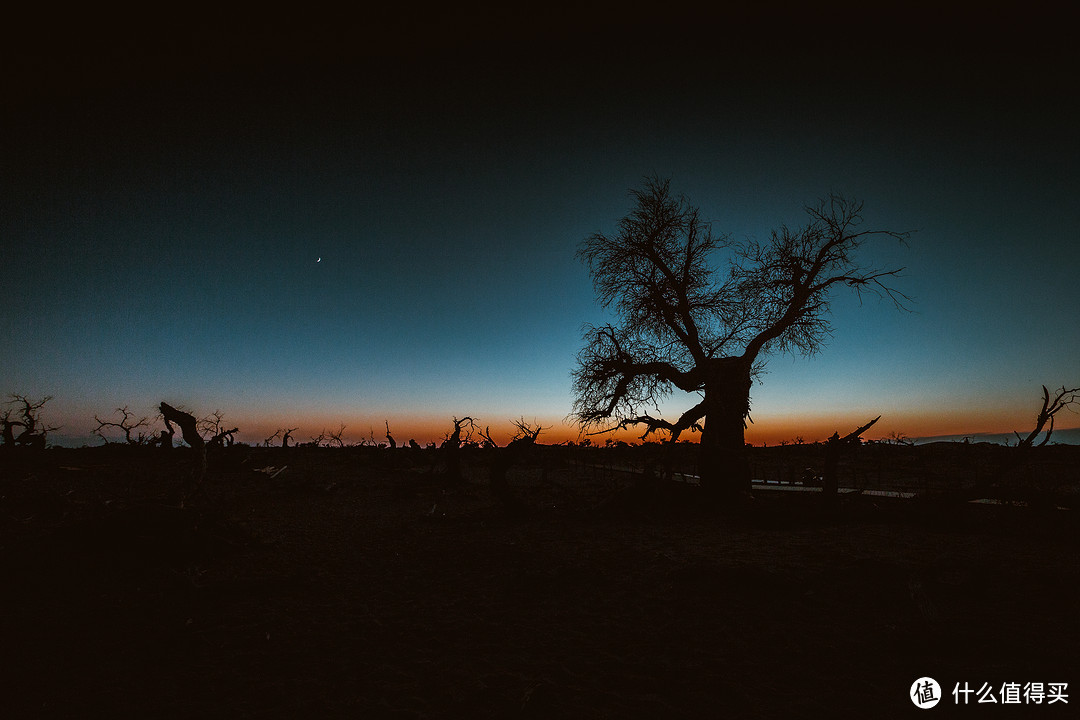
[319, 260]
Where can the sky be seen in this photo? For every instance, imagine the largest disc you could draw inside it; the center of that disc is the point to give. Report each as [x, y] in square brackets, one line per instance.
[304, 223]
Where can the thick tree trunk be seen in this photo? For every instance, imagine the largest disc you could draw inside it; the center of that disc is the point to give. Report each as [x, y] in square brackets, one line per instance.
[190, 431]
[724, 468]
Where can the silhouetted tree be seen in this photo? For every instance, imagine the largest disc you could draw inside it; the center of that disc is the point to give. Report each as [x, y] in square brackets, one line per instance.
[189, 428]
[1065, 398]
[127, 425]
[213, 430]
[164, 439]
[485, 435]
[688, 325]
[336, 437]
[28, 417]
[527, 433]
[896, 437]
[830, 483]
[451, 446]
[389, 437]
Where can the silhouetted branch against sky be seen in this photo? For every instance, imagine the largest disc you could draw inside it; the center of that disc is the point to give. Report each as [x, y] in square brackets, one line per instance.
[1063, 399]
[125, 424]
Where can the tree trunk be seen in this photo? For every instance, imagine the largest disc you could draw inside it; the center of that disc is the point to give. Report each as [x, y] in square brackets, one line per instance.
[190, 431]
[724, 468]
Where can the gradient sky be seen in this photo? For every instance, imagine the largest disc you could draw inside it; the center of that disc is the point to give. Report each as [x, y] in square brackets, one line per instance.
[166, 195]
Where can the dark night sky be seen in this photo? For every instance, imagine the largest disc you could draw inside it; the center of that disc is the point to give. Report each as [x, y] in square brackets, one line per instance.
[168, 186]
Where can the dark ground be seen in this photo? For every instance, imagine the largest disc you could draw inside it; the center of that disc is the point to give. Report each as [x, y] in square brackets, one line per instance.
[360, 584]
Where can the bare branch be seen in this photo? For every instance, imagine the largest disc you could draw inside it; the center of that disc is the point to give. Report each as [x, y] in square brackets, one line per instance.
[687, 421]
[1065, 398]
[527, 433]
[125, 425]
[336, 439]
[34, 430]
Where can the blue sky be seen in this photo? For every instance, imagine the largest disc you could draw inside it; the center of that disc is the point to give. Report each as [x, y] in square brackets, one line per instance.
[162, 225]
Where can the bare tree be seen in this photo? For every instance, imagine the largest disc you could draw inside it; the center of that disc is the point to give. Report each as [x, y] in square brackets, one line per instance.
[451, 446]
[896, 437]
[28, 417]
[189, 428]
[211, 425]
[1065, 398]
[389, 437]
[336, 437]
[685, 324]
[454, 439]
[829, 481]
[527, 433]
[127, 425]
[214, 432]
[485, 435]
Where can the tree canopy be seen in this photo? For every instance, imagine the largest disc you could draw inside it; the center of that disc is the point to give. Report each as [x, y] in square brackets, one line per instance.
[699, 311]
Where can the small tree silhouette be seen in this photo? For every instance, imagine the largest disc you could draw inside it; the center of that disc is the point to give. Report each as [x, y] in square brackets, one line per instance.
[527, 433]
[833, 448]
[451, 447]
[213, 430]
[1065, 398]
[686, 325]
[336, 439]
[28, 417]
[127, 425]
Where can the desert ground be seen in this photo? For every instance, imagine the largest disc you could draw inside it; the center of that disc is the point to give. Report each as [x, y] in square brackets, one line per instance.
[367, 583]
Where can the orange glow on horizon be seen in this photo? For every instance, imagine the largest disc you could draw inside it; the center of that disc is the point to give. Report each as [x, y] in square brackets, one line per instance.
[764, 431]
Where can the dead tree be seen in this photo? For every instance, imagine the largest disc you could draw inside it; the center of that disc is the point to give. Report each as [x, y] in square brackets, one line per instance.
[164, 440]
[833, 448]
[336, 437]
[389, 437]
[286, 434]
[516, 452]
[34, 430]
[189, 429]
[526, 433]
[451, 447]
[213, 430]
[686, 324]
[224, 438]
[211, 425]
[488, 443]
[126, 425]
[1065, 398]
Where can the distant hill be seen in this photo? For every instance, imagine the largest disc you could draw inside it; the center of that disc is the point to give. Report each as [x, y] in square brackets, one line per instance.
[1070, 436]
